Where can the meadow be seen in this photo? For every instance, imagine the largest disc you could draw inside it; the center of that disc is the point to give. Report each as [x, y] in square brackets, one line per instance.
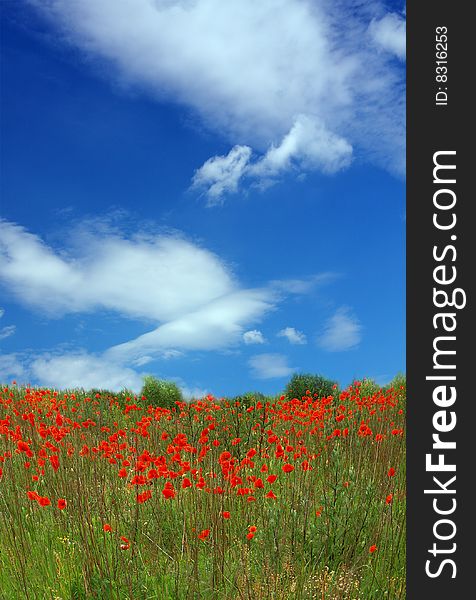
[112, 497]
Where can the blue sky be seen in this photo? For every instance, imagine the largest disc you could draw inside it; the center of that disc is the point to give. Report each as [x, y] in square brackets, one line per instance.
[207, 192]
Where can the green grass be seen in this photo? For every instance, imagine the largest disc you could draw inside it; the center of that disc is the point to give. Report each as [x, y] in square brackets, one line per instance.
[311, 542]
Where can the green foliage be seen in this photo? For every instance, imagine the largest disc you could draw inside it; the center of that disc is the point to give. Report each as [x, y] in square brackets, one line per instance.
[399, 384]
[316, 384]
[368, 388]
[251, 399]
[98, 588]
[102, 392]
[160, 392]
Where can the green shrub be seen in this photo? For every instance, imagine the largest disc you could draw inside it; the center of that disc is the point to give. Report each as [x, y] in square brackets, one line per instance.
[160, 392]
[316, 384]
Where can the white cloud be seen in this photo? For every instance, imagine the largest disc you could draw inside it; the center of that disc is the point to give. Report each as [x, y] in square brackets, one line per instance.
[253, 336]
[389, 33]
[221, 174]
[293, 335]
[215, 326]
[186, 290]
[303, 286]
[157, 278]
[270, 366]
[7, 331]
[84, 370]
[81, 370]
[342, 331]
[11, 367]
[278, 76]
[308, 145]
[192, 392]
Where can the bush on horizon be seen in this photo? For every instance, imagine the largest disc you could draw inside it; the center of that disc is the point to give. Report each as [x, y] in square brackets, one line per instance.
[300, 383]
[160, 392]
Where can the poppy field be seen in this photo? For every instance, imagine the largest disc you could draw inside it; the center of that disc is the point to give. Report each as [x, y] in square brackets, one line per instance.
[105, 496]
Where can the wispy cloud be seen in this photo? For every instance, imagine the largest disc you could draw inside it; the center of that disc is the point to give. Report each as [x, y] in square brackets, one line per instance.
[11, 367]
[254, 336]
[307, 146]
[84, 370]
[217, 325]
[389, 34]
[158, 277]
[292, 335]
[221, 174]
[270, 366]
[187, 290]
[7, 331]
[341, 332]
[188, 294]
[297, 81]
[303, 285]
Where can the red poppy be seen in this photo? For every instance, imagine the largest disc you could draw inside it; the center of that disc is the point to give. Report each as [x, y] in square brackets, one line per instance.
[23, 446]
[372, 549]
[226, 514]
[271, 478]
[271, 495]
[44, 501]
[141, 498]
[391, 472]
[122, 473]
[61, 503]
[250, 536]
[168, 493]
[186, 483]
[204, 534]
[252, 528]
[389, 499]
[287, 468]
[106, 527]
